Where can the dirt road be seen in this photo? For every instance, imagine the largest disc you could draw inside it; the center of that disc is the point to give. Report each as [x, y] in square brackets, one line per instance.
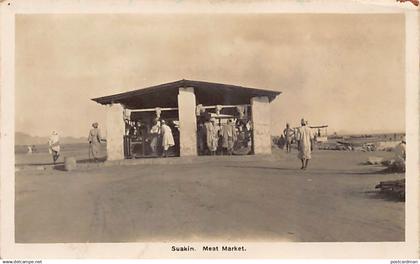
[248, 201]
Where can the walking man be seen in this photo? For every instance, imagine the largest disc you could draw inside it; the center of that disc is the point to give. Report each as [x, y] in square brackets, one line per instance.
[167, 138]
[305, 147]
[94, 139]
[54, 146]
[29, 150]
[288, 136]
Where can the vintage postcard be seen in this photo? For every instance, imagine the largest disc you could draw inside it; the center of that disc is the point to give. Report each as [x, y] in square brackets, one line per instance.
[181, 129]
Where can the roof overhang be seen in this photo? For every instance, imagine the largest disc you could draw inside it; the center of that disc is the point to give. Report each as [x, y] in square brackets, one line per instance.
[207, 93]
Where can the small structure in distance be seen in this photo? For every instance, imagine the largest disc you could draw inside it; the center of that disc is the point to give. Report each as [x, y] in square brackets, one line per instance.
[320, 133]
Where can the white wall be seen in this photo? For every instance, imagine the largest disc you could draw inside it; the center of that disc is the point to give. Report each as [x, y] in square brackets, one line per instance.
[261, 124]
[115, 127]
[187, 122]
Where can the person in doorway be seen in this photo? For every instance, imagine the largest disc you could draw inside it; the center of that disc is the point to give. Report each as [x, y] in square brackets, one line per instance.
[305, 146]
[94, 140]
[167, 138]
[228, 137]
[54, 146]
[201, 138]
[212, 136]
[288, 136]
[155, 133]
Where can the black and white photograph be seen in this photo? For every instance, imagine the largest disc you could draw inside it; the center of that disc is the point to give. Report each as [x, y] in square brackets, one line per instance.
[210, 130]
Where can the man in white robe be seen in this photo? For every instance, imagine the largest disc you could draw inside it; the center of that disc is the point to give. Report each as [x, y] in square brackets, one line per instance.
[155, 133]
[212, 136]
[229, 137]
[305, 138]
[54, 146]
[94, 139]
[167, 138]
[400, 155]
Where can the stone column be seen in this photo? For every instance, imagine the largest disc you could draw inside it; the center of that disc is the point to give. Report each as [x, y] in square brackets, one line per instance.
[187, 122]
[115, 128]
[261, 124]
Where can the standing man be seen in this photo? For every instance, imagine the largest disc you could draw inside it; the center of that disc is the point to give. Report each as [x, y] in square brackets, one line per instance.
[167, 138]
[228, 137]
[400, 155]
[54, 145]
[288, 136]
[201, 138]
[94, 139]
[155, 133]
[212, 136]
[304, 138]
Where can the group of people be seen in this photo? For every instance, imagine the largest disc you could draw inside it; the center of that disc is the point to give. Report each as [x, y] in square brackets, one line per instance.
[31, 149]
[161, 136]
[305, 141]
[211, 136]
[94, 140]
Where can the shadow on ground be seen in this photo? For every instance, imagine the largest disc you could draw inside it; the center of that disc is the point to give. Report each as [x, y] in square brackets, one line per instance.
[376, 172]
[102, 159]
[259, 167]
[387, 196]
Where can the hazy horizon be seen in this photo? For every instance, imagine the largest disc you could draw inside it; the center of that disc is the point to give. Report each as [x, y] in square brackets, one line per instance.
[329, 134]
[346, 71]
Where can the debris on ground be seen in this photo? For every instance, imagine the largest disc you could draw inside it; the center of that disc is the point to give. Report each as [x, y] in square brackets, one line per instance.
[388, 162]
[392, 165]
[332, 147]
[69, 163]
[368, 147]
[374, 160]
[395, 188]
[396, 166]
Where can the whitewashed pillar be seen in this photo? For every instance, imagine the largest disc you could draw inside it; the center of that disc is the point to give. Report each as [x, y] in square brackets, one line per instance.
[115, 128]
[187, 122]
[261, 124]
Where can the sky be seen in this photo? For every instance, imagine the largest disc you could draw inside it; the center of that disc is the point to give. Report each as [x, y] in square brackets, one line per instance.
[343, 70]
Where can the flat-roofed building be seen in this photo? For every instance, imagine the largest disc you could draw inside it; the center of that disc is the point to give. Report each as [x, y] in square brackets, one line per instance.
[185, 105]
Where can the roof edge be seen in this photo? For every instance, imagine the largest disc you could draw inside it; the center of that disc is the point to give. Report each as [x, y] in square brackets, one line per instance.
[109, 99]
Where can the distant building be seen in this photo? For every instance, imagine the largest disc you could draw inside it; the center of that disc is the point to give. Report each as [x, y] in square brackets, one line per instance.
[185, 104]
[320, 132]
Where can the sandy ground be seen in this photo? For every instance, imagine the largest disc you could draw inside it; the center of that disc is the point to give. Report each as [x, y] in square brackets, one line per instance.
[42, 157]
[334, 200]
